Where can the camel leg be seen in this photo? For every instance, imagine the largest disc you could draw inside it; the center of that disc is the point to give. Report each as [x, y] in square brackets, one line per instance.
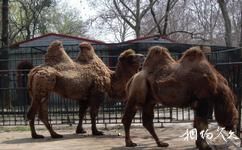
[129, 113]
[83, 105]
[147, 118]
[43, 116]
[34, 107]
[201, 124]
[94, 107]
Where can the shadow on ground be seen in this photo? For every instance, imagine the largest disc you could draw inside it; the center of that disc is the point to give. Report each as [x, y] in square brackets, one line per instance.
[66, 137]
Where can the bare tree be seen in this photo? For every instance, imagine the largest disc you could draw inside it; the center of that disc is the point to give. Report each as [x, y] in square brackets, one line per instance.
[154, 18]
[168, 5]
[227, 22]
[136, 12]
[188, 21]
[160, 18]
[109, 22]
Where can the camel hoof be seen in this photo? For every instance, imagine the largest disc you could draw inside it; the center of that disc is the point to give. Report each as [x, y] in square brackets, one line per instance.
[162, 144]
[37, 136]
[56, 136]
[82, 131]
[131, 144]
[97, 133]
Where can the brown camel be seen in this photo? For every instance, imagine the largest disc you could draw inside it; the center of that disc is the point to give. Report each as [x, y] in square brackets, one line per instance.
[85, 80]
[190, 81]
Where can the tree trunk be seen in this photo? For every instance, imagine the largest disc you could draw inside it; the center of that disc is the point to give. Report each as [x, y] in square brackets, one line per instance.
[28, 36]
[4, 76]
[154, 18]
[138, 19]
[166, 17]
[227, 23]
[137, 30]
[240, 43]
[5, 23]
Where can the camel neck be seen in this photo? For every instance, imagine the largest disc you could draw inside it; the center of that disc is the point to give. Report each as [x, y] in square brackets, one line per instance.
[124, 73]
[119, 78]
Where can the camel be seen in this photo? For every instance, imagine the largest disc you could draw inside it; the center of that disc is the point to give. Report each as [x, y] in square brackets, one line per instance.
[190, 81]
[85, 80]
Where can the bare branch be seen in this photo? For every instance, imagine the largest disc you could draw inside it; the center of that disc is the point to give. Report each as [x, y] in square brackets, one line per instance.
[163, 17]
[147, 9]
[123, 3]
[192, 34]
[122, 15]
[154, 17]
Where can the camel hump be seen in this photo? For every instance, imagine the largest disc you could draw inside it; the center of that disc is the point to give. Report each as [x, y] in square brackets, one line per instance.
[193, 54]
[87, 53]
[56, 55]
[55, 45]
[55, 48]
[85, 45]
[157, 57]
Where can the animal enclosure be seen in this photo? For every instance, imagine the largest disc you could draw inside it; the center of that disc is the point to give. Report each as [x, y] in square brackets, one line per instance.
[14, 98]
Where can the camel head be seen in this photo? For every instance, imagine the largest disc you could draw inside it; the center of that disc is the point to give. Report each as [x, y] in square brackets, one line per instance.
[86, 53]
[130, 60]
[193, 54]
[157, 55]
[128, 64]
[55, 48]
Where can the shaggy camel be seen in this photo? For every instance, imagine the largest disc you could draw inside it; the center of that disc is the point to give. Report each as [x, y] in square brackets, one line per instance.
[85, 80]
[190, 81]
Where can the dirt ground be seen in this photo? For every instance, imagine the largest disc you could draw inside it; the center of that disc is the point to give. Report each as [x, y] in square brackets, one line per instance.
[19, 139]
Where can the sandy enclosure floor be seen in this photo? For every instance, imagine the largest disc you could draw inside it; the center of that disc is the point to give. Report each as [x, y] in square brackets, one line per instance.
[113, 139]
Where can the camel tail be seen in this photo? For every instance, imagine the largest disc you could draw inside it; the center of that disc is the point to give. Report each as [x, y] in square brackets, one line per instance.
[226, 113]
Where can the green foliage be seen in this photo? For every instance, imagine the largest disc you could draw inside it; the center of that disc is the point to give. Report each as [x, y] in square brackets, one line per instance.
[66, 21]
[28, 19]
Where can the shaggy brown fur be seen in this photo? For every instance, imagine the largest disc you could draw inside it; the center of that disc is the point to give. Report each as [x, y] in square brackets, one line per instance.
[85, 80]
[128, 66]
[179, 84]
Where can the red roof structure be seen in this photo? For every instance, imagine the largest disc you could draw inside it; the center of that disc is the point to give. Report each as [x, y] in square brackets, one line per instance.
[57, 36]
[156, 37]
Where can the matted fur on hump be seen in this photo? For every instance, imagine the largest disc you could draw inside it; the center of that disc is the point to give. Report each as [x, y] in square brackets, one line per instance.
[86, 54]
[193, 54]
[87, 58]
[157, 56]
[56, 54]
